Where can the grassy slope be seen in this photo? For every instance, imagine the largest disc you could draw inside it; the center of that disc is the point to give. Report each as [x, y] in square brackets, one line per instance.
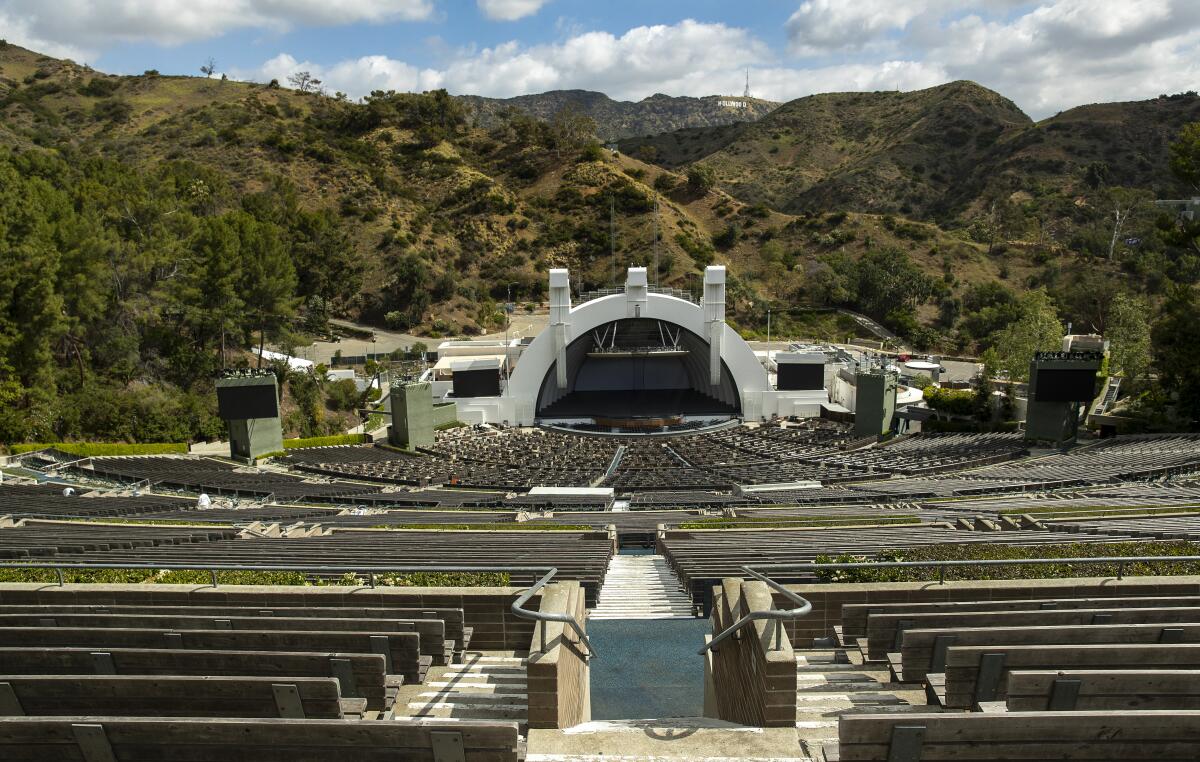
[493, 212]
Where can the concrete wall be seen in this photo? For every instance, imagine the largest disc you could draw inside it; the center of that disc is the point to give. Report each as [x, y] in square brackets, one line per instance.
[559, 686]
[412, 416]
[827, 600]
[487, 609]
[875, 402]
[255, 437]
[753, 678]
[444, 413]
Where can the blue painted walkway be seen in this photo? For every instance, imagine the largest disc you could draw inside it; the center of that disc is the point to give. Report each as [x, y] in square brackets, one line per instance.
[647, 668]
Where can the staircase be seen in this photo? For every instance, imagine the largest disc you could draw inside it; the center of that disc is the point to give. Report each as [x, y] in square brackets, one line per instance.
[641, 587]
[487, 685]
[831, 683]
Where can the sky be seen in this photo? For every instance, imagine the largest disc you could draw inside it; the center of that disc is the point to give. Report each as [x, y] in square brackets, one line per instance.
[1047, 55]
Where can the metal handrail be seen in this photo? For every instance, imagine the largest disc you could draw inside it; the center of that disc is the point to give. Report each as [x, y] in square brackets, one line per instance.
[1120, 561]
[778, 615]
[544, 617]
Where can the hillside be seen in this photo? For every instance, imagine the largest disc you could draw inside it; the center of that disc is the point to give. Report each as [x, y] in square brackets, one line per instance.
[934, 154]
[620, 119]
[167, 225]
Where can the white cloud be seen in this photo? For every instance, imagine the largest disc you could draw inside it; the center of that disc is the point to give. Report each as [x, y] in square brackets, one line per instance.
[86, 27]
[824, 25]
[688, 58]
[510, 10]
[1047, 58]
[356, 77]
[1069, 52]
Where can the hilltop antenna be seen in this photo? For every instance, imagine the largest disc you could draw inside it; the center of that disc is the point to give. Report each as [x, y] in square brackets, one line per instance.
[747, 93]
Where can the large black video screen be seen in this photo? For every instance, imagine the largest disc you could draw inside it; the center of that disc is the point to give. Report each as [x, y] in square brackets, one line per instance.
[240, 403]
[797, 376]
[477, 383]
[1066, 385]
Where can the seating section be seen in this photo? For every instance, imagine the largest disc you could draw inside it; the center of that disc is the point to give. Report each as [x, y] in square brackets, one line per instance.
[226, 676]
[89, 738]
[701, 558]
[1088, 678]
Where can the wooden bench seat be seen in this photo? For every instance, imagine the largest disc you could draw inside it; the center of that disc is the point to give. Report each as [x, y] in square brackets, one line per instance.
[359, 675]
[163, 696]
[885, 632]
[400, 649]
[924, 651]
[854, 615]
[1162, 736]
[1107, 690]
[454, 620]
[94, 738]
[963, 689]
[432, 632]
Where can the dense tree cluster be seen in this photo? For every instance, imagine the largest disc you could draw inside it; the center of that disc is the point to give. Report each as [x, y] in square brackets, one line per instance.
[122, 292]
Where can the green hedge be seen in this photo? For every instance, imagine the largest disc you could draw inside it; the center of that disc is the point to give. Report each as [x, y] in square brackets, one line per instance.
[293, 579]
[1045, 513]
[340, 439]
[513, 527]
[91, 449]
[764, 523]
[988, 551]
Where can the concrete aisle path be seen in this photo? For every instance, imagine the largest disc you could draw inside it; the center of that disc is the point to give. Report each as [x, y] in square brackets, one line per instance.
[684, 739]
[641, 587]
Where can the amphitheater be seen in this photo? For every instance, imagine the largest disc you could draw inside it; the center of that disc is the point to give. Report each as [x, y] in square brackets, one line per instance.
[751, 580]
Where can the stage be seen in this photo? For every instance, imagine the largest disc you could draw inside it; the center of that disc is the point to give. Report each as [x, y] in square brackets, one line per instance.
[643, 403]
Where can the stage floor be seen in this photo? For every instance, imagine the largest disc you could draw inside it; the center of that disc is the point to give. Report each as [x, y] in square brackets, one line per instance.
[657, 403]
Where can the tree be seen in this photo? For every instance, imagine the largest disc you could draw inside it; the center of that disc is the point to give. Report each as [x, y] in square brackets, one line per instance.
[407, 295]
[268, 278]
[1128, 335]
[304, 81]
[572, 130]
[209, 67]
[1037, 330]
[208, 291]
[1177, 353]
[701, 178]
[1185, 156]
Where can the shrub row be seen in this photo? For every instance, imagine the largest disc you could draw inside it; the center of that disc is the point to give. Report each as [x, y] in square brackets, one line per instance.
[294, 579]
[987, 552]
[763, 523]
[512, 527]
[92, 449]
[339, 439]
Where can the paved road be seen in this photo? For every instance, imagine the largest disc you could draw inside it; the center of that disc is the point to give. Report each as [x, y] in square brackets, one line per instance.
[523, 324]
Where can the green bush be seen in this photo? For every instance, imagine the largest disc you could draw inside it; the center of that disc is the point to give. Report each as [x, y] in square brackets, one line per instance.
[763, 523]
[96, 449]
[512, 527]
[987, 551]
[281, 578]
[344, 394]
[339, 439]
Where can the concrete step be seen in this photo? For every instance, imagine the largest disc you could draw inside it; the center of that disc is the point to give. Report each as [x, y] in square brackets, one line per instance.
[478, 686]
[473, 698]
[502, 712]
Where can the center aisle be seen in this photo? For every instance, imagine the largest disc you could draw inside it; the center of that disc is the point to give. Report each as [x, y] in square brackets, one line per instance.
[641, 587]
